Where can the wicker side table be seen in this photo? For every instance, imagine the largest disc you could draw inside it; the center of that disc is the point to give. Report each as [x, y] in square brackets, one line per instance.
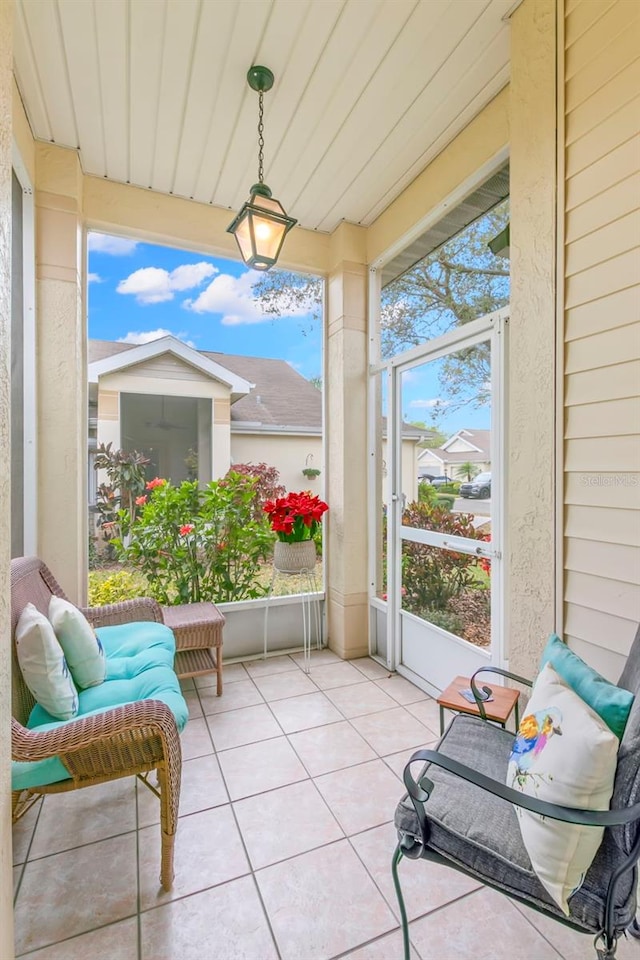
[197, 628]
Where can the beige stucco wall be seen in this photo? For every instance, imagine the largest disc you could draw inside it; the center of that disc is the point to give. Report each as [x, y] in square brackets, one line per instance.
[289, 454]
[157, 218]
[530, 401]
[346, 442]
[61, 367]
[6, 91]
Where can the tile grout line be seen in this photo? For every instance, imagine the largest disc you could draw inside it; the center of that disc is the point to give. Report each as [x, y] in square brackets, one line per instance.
[244, 846]
[231, 802]
[537, 930]
[82, 846]
[76, 936]
[138, 897]
[23, 865]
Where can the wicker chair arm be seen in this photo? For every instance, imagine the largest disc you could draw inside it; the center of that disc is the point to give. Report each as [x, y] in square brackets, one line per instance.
[152, 715]
[128, 611]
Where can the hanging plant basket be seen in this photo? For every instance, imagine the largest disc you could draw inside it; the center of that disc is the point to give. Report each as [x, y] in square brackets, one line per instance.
[294, 557]
[311, 472]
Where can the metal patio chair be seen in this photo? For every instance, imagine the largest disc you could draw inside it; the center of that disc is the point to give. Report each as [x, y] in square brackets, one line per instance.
[438, 820]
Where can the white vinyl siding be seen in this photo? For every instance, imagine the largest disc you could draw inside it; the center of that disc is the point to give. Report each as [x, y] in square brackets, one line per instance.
[602, 330]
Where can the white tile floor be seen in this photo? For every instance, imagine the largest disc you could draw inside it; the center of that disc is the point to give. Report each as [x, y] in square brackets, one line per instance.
[283, 851]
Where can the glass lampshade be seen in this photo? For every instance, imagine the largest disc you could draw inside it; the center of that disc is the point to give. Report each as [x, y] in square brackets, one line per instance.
[260, 228]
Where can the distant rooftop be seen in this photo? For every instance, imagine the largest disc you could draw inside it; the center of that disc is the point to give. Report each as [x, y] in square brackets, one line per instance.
[282, 399]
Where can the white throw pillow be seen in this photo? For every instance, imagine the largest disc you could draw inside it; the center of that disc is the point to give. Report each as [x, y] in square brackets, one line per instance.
[81, 646]
[43, 665]
[564, 753]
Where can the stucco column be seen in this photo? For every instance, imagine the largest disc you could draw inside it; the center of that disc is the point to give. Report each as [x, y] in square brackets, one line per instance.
[346, 443]
[61, 368]
[6, 81]
[221, 439]
[531, 407]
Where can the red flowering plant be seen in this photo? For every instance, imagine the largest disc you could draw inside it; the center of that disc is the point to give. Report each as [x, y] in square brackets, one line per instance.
[295, 517]
[197, 543]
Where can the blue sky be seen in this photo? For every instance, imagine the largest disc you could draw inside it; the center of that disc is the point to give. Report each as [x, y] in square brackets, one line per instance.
[139, 291]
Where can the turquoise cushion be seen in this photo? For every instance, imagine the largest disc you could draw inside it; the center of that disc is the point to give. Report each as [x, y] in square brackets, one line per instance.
[139, 667]
[128, 639]
[610, 702]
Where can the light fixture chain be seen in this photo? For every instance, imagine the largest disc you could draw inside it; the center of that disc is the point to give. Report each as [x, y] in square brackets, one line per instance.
[261, 139]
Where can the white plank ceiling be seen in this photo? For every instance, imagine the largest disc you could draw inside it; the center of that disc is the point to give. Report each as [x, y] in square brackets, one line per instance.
[153, 92]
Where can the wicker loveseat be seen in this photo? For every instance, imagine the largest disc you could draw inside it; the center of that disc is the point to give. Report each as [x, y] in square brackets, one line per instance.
[128, 737]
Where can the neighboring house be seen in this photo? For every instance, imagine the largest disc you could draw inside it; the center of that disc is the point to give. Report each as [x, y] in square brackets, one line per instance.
[195, 413]
[465, 446]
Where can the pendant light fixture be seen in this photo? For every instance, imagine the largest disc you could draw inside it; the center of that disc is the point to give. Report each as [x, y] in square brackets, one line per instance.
[262, 224]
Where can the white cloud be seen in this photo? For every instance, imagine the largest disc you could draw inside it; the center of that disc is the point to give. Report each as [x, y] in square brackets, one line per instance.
[430, 404]
[116, 246]
[94, 278]
[146, 336]
[233, 298]
[155, 284]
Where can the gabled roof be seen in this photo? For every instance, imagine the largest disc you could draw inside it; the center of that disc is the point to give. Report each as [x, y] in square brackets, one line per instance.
[478, 440]
[479, 449]
[139, 353]
[279, 398]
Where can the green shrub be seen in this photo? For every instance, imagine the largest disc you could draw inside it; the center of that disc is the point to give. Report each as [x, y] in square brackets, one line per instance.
[115, 587]
[267, 484]
[317, 539]
[196, 544]
[427, 493]
[453, 487]
[445, 501]
[126, 473]
[431, 575]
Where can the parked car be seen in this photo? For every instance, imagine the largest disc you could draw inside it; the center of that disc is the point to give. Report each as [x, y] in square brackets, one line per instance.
[440, 481]
[479, 487]
[425, 477]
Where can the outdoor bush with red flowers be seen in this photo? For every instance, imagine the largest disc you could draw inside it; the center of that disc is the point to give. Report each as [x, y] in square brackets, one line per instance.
[295, 517]
[195, 543]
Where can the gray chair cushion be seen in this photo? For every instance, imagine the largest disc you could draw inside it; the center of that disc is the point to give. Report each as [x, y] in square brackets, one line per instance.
[626, 790]
[480, 833]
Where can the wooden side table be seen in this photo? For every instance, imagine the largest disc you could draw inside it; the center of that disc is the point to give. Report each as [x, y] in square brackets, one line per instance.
[197, 628]
[505, 699]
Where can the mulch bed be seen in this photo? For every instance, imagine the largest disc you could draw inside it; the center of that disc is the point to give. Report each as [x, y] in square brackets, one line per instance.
[474, 609]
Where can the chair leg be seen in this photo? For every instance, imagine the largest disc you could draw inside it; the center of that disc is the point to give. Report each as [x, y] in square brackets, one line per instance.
[395, 862]
[168, 831]
[605, 947]
[219, 672]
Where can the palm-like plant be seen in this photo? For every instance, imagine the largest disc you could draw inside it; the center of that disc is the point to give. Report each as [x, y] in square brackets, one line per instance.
[468, 470]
